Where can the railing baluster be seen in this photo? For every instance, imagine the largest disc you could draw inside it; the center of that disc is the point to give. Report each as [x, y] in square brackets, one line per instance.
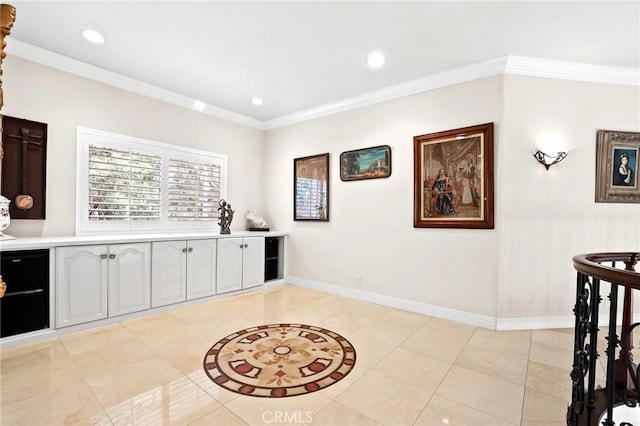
[612, 343]
[582, 313]
[590, 405]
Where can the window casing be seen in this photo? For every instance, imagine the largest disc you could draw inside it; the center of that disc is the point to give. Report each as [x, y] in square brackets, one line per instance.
[128, 184]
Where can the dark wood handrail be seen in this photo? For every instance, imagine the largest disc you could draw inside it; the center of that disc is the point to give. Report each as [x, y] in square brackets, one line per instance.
[590, 264]
[588, 402]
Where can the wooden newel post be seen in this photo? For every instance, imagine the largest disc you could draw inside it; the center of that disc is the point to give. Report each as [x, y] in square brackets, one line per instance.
[7, 18]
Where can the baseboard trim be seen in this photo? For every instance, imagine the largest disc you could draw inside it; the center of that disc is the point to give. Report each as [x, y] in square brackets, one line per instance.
[535, 323]
[484, 321]
[398, 303]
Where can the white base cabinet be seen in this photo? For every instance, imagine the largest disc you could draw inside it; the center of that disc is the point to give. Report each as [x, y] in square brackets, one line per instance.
[201, 268]
[100, 281]
[129, 278]
[240, 263]
[182, 270]
[81, 281]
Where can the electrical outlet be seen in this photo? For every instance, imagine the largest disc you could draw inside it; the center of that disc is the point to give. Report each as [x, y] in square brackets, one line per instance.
[357, 280]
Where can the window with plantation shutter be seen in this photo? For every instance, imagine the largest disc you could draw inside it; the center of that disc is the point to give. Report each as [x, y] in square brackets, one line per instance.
[123, 184]
[194, 190]
[127, 184]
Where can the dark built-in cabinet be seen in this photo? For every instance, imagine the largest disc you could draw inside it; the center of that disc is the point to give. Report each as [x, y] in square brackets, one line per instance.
[271, 258]
[25, 305]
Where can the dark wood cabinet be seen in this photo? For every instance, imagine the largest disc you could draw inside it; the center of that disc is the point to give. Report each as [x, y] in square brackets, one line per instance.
[24, 166]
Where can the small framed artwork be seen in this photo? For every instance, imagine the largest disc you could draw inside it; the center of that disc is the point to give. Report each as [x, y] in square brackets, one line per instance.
[366, 163]
[311, 188]
[617, 161]
[453, 178]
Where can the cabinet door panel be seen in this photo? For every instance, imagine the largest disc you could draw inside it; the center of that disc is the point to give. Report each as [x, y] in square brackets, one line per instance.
[168, 273]
[253, 262]
[81, 282]
[201, 268]
[129, 278]
[229, 265]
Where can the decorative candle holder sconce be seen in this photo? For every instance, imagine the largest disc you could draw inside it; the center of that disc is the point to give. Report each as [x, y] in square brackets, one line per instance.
[549, 160]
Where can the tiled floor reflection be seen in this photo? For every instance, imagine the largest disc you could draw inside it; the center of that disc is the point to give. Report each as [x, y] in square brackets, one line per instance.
[411, 370]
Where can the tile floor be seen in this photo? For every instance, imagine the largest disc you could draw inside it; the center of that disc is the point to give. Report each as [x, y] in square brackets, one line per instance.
[411, 369]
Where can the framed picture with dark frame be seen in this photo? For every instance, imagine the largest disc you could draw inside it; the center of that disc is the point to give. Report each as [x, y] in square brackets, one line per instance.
[617, 162]
[311, 188]
[366, 163]
[453, 178]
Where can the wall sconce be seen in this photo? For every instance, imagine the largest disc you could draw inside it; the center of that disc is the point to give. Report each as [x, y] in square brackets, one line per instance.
[542, 158]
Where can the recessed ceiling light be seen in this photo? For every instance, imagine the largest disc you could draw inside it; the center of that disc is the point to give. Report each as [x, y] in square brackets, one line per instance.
[93, 36]
[376, 60]
[198, 105]
[257, 101]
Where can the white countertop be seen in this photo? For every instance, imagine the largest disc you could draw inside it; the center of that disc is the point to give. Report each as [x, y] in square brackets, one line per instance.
[21, 243]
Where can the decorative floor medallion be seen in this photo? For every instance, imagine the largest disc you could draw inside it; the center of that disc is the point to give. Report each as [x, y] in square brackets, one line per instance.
[279, 360]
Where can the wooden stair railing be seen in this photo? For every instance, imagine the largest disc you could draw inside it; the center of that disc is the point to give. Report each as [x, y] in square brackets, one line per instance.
[591, 406]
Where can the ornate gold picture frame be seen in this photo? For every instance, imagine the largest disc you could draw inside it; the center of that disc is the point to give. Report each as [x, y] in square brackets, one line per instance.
[453, 178]
[617, 162]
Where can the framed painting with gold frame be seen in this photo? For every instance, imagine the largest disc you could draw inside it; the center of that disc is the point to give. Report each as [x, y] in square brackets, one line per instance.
[311, 188]
[366, 163]
[453, 178]
[617, 161]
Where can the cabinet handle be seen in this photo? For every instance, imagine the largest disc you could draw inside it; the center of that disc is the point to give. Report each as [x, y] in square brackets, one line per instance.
[190, 249]
[103, 256]
[112, 256]
[184, 250]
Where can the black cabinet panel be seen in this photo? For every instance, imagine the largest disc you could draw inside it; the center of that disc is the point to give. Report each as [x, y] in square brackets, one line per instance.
[271, 248]
[271, 260]
[25, 305]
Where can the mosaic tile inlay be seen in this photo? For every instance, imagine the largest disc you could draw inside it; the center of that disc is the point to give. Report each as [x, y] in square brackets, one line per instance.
[279, 360]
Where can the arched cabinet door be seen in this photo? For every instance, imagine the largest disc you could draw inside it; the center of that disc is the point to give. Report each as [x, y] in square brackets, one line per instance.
[100, 281]
[129, 278]
[81, 284]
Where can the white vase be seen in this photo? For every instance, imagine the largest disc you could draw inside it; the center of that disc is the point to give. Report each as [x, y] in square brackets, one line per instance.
[5, 219]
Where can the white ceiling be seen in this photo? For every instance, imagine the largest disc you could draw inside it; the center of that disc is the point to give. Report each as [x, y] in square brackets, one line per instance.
[298, 55]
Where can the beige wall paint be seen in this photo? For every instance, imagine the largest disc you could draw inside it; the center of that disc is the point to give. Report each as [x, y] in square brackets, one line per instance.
[522, 268]
[549, 216]
[66, 101]
[370, 232]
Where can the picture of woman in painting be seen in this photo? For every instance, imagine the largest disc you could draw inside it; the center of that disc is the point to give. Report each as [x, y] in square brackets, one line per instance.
[623, 176]
[442, 190]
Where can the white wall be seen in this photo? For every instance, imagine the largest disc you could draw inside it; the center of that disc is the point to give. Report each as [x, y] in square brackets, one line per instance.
[521, 273]
[546, 217]
[65, 101]
[370, 232]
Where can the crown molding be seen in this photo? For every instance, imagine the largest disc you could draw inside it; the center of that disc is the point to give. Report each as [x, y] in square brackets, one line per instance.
[73, 66]
[548, 68]
[408, 88]
[509, 64]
